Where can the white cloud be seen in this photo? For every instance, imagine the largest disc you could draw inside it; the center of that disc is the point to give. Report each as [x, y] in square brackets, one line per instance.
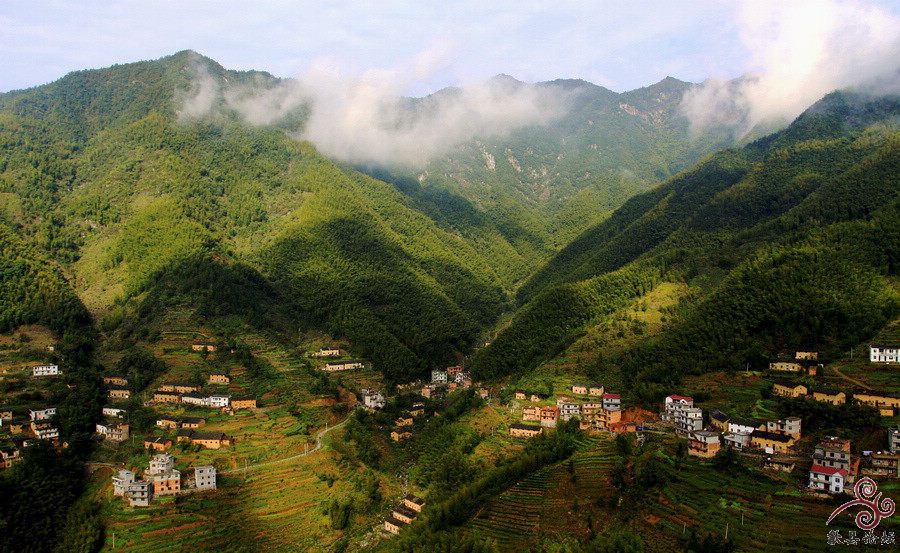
[801, 50]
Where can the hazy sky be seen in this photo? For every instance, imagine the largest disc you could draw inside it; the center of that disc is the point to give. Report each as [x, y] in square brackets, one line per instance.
[620, 44]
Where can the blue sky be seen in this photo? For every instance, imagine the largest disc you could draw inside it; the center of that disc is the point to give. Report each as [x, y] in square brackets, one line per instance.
[619, 44]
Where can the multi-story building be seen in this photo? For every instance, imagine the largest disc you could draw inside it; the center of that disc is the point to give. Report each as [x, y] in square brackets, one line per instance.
[42, 414]
[531, 413]
[438, 376]
[205, 477]
[674, 404]
[168, 483]
[894, 439]
[884, 353]
[688, 420]
[567, 408]
[790, 426]
[827, 479]
[161, 464]
[219, 400]
[121, 481]
[45, 370]
[736, 440]
[612, 402]
[549, 416]
[704, 444]
[139, 493]
[372, 399]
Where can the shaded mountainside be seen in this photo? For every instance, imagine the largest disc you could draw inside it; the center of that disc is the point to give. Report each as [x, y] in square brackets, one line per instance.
[789, 240]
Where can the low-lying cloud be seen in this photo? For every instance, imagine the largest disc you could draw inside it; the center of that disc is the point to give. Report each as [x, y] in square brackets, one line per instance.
[367, 120]
[802, 50]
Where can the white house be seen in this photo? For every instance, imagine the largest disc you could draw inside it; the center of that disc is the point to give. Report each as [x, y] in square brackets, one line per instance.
[568, 409]
[373, 399]
[45, 370]
[49, 433]
[881, 353]
[612, 402]
[113, 412]
[205, 477]
[743, 426]
[737, 440]
[121, 482]
[674, 404]
[894, 439]
[438, 376]
[827, 479]
[219, 401]
[689, 419]
[42, 414]
[193, 398]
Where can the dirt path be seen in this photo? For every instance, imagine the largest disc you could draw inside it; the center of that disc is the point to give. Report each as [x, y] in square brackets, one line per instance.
[292, 457]
[859, 383]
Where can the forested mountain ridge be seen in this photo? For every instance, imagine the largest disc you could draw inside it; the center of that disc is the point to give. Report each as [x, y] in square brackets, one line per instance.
[791, 239]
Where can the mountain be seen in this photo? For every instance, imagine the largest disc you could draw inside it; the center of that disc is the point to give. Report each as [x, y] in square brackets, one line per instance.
[524, 195]
[98, 170]
[791, 239]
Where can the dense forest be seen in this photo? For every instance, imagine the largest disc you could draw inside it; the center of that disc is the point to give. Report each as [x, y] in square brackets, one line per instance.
[789, 240]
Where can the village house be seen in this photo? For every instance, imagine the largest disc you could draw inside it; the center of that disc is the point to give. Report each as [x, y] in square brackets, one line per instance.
[718, 420]
[168, 422]
[219, 378]
[612, 402]
[673, 405]
[180, 387]
[454, 370]
[16, 426]
[806, 355]
[703, 443]
[44, 431]
[404, 513]
[531, 413]
[192, 422]
[118, 392]
[781, 465]
[537, 397]
[790, 426]
[882, 464]
[398, 435]
[42, 414]
[121, 481]
[596, 390]
[115, 380]
[166, 484]
[801, 366]
[336, 366]
[328, 351]
[785, 388]
[606, 419]
[438, 376]
[203, 346]
[688, 420]
[393, 525]
[219, 400]
[184, 435]
[9, 456]
[417, 410]
[113, 412]
[211, 440]
[195, 398]
[523, 430]
[414, 502]
[888, 404]
[834, 397]
[113, 431]
[204, 477]
[580, 389]
[520, 395]
[6, 415]
[483, 392]
[243, 402]
[45, 370]
[567, 408]
[549, 416]
[745, 426]
[463, 379]
[403, 420]
[591, 409]
[139, 493]
[427, 391]
[736, 440]
[166, 397]
[372, 399]
[161, 463]
[834, 452]
[157, 444]
[771, 442]
[884, 353]
[894, 439]
[827, 479]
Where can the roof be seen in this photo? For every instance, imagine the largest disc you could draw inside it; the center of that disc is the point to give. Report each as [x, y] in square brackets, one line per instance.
[718, 415]
[827, 391]
[676, 397]
[789, 384]
[884, 346]
[762, 434]
[612, 396]
[185, 432]
[414, 499]
[157, 440]
[746, 422]
[196, 395]
[876, 393]
[117, 387]
[164, 392]
[827, 470]
[404, 510]
[519, 426]
[197, 435]
[395, 521]
[243, 398]
[191, 420]
[579, 385]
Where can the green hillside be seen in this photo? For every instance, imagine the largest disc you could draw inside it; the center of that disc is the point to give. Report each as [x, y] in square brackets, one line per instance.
[789, 240]
[138, 196]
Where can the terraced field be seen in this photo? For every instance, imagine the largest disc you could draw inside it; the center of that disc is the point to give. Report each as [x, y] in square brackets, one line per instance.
[546, 502]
